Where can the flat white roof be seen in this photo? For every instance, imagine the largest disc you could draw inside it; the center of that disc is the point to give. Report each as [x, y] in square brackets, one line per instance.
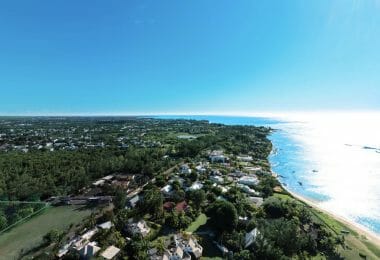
[105, 225]
[108, 177]
[110, 252]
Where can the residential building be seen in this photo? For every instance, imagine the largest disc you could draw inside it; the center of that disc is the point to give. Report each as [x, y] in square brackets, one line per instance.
[167, 190]
[249, 180]
[185, 169]
[258, 201]
[133, 201]
[250, 237]
[245, 158]
[105, 225]
[110, 252]
[218, 157]
[196, 186]
[89, 250]
[216, 179]
[138, 228]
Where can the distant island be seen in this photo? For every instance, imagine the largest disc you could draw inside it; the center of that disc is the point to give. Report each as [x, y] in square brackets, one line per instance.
[148, 188]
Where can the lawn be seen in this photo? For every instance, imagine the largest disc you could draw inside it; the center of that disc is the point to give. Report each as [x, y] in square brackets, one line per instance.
[199, 221]
[29, 234]
[282, 196]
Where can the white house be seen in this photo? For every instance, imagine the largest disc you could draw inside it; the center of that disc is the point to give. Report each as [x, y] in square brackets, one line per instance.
[167, 189]
[248, 180]
[185, 169]
[99, 183]
[200, 168]
[250, 237]
[216, 179]
[245, 158]
[89, 250]
[139, 228]
[133, 201]
[218, 157]
[258, 201]
[221, 187]
[110, 252]
[105, 225]
[192, 247]
[252, 169]
[247, 189]
[196, 186]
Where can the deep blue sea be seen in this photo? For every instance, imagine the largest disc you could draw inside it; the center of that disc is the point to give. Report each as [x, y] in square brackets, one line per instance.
[305, 169]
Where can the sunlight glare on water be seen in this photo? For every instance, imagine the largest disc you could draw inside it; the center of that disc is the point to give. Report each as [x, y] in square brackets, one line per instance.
[345, 150]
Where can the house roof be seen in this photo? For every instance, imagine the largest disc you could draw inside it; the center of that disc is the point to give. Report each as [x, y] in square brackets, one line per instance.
[250, 237]
[110, 252]
[168, 205]
[181, 206]
[105, 225]
[135, 199]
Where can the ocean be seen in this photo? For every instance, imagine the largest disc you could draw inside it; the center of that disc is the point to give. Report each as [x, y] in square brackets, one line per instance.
[332, 159]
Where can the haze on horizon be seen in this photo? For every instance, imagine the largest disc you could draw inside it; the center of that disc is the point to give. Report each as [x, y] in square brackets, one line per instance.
[148, 57]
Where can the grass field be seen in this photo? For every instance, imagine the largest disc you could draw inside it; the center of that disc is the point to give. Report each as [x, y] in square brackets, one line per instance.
[282, 196]
[29, 234]
[200, 221]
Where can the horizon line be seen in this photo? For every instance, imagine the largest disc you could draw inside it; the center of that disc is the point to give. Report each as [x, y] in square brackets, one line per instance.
[209, 113]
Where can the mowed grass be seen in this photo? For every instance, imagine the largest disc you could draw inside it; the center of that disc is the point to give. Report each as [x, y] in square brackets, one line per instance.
[199, 221]
[28, 235]
[282, 196]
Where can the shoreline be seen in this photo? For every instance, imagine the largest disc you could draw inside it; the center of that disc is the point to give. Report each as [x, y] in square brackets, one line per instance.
[362, 231]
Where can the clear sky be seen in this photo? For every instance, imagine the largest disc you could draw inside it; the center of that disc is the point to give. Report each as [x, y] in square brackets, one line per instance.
[107, 56]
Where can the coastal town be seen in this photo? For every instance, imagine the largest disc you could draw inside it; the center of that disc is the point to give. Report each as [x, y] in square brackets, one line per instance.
[182, 183]
[147, 188]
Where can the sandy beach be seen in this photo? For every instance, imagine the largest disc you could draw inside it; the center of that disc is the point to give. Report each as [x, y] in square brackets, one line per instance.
[362, 231]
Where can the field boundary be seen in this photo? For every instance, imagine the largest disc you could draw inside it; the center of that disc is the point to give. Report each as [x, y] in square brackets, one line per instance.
[46, 205]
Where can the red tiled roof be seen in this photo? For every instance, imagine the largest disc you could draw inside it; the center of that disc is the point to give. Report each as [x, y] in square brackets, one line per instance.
[181, 206]
[168, 205]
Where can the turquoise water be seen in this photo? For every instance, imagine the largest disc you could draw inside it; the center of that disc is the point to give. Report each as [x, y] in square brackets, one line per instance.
[298, 171]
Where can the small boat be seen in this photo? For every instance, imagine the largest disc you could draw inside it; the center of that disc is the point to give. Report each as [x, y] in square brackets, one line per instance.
[315, 171]
[300, 183]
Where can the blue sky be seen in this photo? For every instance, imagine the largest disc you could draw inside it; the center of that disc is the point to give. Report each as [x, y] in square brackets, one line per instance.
[188, 56]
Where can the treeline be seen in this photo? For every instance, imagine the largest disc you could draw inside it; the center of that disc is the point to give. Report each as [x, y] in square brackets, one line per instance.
[39, 175]
[233, 139]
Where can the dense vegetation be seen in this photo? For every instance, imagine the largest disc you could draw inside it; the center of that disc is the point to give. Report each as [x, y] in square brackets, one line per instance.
[39, 175]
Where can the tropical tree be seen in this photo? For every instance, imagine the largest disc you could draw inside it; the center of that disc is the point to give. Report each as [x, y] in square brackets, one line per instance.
[223, 215]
